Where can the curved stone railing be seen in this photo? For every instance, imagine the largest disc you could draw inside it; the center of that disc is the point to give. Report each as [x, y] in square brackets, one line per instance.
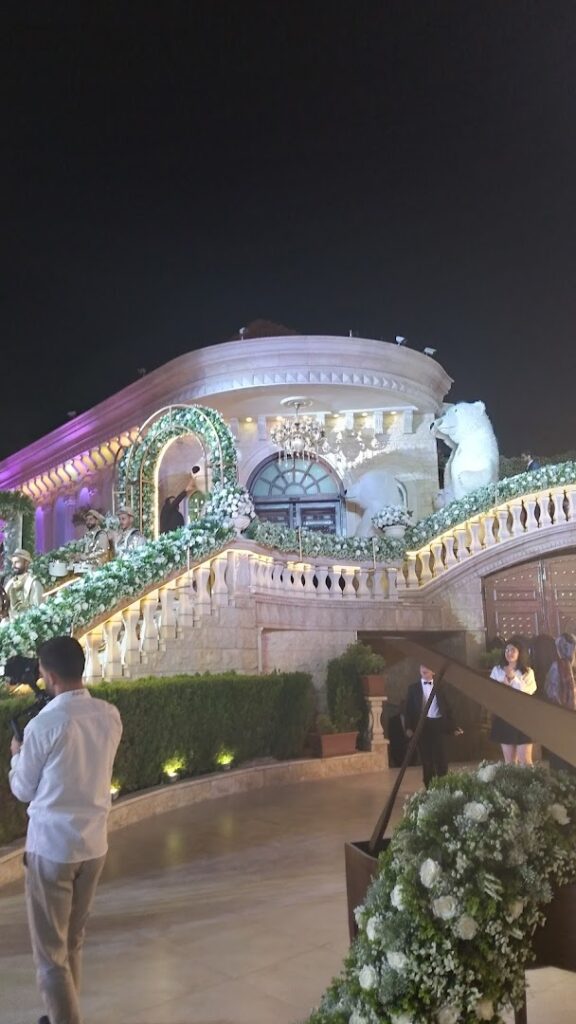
[511, 520]
[123, 643]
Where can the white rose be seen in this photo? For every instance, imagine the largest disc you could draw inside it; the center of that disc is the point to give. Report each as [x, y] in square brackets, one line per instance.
[487, 773]
[357, 1018]
[466, 927]
[367, 977]
[484, 1009]
[401, 1018]
[397, 961]
[559, 813]
[396, 898]
[475, 811]
[430, 872]
[358, 916]
[372, 928]
[515, 909]
[447, 1015]
[444, 907]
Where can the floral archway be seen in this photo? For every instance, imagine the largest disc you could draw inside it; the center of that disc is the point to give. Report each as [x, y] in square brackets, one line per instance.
[136, 474]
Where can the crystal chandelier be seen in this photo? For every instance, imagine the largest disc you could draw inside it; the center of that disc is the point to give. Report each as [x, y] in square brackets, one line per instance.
[298, 437]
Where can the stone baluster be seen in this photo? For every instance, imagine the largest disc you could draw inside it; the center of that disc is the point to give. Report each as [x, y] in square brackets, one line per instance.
[569, 503]
[503, 532]
[517, 525]
[380, 583]
[451, 553]
[202, 581]
[185, 608]
[277, 575]
[149, 629]
[392, 576]
[322, 574]
[219, 587]
[112, 652]
[309, 588]
[559, 514]
[408, 578]
[461, 537]
[349, 592]
[376, 735]
[476, 532]
[531, 521]
[426, 573]
[364, 589]
[92, 642]
[167, 613]
[130, 643]
[490, 538]
[438, 566]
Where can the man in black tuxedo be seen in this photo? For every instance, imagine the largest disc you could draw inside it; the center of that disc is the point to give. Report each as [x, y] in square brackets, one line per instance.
[438, 723]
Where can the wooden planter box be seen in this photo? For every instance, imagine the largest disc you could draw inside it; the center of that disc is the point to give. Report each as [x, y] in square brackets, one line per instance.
[334, 744]
[374, 685]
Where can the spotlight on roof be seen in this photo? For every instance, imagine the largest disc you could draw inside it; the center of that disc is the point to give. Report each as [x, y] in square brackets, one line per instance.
[242, 331]
[71, 414]
[400, 340]
[430, 351]
[141, 371]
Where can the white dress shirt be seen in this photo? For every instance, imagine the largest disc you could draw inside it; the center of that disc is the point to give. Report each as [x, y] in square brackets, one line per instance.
[63, 771]
[433, 710]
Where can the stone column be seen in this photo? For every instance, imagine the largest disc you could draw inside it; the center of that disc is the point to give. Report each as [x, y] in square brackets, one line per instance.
[378, 740]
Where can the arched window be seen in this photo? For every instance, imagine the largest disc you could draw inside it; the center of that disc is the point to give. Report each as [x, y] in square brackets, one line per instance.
[299, 492]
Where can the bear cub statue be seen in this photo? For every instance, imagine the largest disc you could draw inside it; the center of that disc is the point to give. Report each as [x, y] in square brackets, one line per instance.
[473, 462]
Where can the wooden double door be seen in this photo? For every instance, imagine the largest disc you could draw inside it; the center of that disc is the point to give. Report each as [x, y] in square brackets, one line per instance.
[532, 599]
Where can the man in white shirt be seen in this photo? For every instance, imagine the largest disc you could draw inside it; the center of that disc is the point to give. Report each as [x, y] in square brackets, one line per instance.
[438, 723]
[63, 770]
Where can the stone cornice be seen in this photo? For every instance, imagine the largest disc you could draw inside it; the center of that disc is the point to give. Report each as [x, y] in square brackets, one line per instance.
[232, 366]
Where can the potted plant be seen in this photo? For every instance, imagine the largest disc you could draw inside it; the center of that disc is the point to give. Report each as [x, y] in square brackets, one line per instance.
[373, 679]
[392, 520]
[334, 740]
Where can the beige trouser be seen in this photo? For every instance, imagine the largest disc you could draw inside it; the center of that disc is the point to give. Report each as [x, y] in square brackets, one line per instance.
[58, 901]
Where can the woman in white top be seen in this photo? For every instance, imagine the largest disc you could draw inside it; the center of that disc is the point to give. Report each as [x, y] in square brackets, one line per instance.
[513, 670]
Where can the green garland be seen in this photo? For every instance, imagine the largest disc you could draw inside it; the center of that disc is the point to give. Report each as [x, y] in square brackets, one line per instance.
[141, 458]
[485, 498]
[76, 606]
[445, 930]
[13, 502]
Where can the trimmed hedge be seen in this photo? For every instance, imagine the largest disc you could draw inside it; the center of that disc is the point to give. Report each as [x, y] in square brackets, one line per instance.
[194, 719]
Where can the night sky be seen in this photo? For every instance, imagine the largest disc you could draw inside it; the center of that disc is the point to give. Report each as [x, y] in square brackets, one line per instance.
[173, 170]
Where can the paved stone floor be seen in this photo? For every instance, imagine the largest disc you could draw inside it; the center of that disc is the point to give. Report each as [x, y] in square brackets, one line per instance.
[231, 911]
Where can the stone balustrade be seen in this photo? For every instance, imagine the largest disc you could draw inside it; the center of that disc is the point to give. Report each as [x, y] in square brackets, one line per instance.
[134, 635]
[509, 521]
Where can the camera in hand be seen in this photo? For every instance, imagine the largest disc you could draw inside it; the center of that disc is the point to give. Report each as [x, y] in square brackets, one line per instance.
[18, 670]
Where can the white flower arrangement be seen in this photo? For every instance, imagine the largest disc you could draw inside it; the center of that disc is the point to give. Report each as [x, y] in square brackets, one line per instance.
[391, 515]
[444, 933]
[228, 501]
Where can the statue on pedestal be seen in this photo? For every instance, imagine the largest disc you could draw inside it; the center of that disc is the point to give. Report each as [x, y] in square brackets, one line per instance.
[23, 590]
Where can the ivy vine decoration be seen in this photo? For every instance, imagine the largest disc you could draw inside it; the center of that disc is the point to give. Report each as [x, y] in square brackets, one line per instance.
[13, 503]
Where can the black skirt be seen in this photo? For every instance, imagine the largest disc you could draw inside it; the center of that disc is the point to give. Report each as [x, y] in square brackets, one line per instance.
[503, 732]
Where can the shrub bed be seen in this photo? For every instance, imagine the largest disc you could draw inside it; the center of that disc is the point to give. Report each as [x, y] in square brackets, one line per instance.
[193, 724]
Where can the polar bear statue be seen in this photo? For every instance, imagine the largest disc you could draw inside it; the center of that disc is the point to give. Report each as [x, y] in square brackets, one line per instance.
[473, 463]
[369, 493]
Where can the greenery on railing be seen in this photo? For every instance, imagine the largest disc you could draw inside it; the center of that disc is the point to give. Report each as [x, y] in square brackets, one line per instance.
[485, 498]
[314, 544]
[98, 591]
[187, 726]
